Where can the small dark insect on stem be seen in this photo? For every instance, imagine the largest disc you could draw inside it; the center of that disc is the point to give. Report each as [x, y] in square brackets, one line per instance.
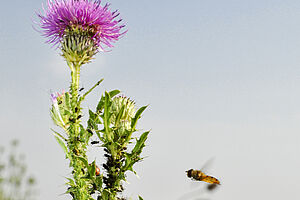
[95, 142]
[89, 130]
[81, 89]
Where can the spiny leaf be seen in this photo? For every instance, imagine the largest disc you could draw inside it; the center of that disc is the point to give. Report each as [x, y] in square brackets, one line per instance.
[63, 145]
[84, 134]
[140, 143]
[114, 93]
[92, 169]
[140, 198]
[68, 101]
[92, 120]
[58, 134]
[100, 105]
[71, 182]
[99, 136]
[92, 115]
[137, 116]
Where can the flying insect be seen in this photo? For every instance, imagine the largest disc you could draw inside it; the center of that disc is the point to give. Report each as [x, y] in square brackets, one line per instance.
[198, 175]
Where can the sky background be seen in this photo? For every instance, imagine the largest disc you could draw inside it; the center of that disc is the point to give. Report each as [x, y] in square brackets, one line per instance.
[222, 78]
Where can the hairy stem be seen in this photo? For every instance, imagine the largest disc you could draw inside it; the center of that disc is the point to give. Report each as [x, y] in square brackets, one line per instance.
[77, 148]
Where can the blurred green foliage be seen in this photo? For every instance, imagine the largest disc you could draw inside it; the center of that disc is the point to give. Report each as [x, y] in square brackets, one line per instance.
[15, 184]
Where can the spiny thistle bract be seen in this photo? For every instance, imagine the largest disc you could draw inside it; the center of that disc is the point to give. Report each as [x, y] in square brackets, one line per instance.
[124, 109]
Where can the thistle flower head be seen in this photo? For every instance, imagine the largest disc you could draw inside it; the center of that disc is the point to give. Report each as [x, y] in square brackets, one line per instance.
[124, 109]
[80, 27]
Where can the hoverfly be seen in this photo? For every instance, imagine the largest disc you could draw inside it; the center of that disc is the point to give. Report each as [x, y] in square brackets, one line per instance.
[198, 175]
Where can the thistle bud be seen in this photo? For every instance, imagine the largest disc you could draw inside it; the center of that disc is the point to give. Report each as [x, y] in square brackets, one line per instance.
[127, 107]
[60, 111]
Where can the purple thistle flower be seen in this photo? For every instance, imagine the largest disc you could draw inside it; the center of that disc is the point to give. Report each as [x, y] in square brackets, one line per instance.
[62, 17]
[53, 98]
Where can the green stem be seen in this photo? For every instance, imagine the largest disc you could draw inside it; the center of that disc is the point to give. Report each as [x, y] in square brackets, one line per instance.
[77, 148]
[75, 104]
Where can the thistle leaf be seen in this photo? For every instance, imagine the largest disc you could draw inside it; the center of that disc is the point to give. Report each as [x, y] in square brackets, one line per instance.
[140, 198]
[137, 116]
[114, 93]
[68, 101]
[92, 115]
[101, 103]
[58, 134]
[84, 135]
[63, 145]
[92, 169]
[92, 120]
[140, 143]
[71, 182]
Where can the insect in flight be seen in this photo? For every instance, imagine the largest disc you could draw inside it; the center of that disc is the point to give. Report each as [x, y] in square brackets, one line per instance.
[198, 175]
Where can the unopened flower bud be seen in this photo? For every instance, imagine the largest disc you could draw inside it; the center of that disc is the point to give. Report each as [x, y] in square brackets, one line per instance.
[60, 110]
[128, 113]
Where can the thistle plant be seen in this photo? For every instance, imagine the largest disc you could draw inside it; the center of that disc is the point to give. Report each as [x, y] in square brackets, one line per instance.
[81, 29]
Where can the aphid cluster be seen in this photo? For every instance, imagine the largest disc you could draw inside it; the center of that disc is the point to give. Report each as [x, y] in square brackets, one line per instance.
[113, 168]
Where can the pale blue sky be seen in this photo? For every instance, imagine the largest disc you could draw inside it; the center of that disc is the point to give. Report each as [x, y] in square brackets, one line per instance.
[222, 78]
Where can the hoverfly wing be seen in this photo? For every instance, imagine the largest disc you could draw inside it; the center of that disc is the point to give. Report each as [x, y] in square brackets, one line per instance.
[207, 165]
